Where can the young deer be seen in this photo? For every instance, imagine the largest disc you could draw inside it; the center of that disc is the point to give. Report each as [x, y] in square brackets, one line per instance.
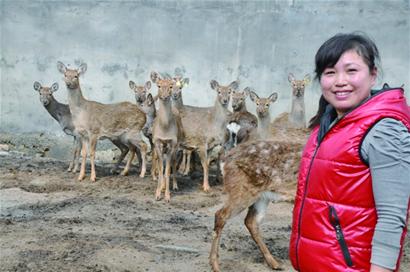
[264, 130]
[121, 122]
[61, 113]
[204, 127]
[252, 172]
[167, 135]
[296, 119]
[140, 91]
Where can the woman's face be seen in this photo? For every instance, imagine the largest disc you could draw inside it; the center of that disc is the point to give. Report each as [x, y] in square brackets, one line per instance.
[348, 83]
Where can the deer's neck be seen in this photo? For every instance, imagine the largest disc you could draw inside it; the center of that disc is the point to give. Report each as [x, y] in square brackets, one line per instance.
[298, 108]
[178, 104]
[242, 108]
[165, 115]
[75, 99]
[219, 114]
[53, 108]
[264, 126]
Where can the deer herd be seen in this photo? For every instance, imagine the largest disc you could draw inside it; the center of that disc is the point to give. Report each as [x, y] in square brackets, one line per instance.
[252, 163]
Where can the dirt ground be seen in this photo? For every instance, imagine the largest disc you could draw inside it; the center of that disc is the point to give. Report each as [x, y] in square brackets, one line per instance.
[51, 222]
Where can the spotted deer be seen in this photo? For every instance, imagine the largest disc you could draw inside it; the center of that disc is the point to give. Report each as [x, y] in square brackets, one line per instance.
[167, 135]
[252, 173]
[121, 122]
[61, 113]
[204, 127]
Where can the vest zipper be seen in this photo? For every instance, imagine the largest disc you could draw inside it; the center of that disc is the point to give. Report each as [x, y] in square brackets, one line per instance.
[301, 206]
[334, 220]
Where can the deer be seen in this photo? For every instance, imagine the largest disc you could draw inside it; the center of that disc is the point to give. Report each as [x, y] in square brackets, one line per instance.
[178, 103]
[121, 123]
[263, 130]
[61, 113]
[245, 121]
[167, 135]
[204, 127]
[297, 117]
[252, 173]
[140, 91]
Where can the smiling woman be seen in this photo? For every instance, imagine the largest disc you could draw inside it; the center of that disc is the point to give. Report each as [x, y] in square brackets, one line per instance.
[353, 189]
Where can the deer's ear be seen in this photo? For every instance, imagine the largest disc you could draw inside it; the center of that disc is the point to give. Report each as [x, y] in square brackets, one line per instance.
[154, 77]
[234, 85]
[148, 85]
[131, 84]
[291, 77]
[185, 82]
[37, 86]
[253, 96]
[150, 99]
[54, 87]
[82, 68]
[247, 91]
[273, 97]
[214, 84]
[61, 67]
[306, 79]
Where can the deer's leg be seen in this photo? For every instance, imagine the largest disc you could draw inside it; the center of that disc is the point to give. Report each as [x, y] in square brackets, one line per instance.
[231, 208]
[143, 149]
[174, 168]
[77, 152]
[255, 215]
[93, 145]
[188, 162]
[129, 161]
[182, 164]
[84, 148]
[160, 167]
[124, 151]
[203, 155]
[168, 158]
[154, 165]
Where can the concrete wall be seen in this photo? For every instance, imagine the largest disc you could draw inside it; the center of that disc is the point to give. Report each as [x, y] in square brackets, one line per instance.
[258, 42]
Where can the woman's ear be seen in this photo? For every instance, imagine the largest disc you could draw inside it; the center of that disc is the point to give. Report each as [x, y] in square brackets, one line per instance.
[373, 74]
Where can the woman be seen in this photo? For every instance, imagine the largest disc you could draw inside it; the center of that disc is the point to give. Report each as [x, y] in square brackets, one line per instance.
[352, 199]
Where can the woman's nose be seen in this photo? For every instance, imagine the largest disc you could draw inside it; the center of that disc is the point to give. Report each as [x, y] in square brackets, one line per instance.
[341, 79]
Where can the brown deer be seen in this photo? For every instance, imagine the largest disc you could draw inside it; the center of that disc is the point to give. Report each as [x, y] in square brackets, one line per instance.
[140, 91]
[61, 113]
[167, 135]
[296, 118]
[246, 121]
[204, 127]
[252, 173]
[121, 122]
[264, 130]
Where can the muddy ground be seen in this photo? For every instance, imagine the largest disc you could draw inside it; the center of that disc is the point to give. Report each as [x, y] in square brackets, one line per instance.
[51, 222]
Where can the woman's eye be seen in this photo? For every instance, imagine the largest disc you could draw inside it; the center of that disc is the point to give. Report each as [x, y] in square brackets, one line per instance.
[329, 72]
[351, 70]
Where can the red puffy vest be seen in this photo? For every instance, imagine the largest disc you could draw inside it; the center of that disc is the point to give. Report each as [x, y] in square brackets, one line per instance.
[334, 216]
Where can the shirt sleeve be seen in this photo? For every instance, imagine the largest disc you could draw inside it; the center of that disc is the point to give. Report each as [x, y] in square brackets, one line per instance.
[386, 148]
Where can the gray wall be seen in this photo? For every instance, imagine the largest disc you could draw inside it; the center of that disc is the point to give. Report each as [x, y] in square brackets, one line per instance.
[258, 42]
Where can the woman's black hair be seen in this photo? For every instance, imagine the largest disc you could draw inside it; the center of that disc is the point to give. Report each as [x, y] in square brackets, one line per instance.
[330, 52]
